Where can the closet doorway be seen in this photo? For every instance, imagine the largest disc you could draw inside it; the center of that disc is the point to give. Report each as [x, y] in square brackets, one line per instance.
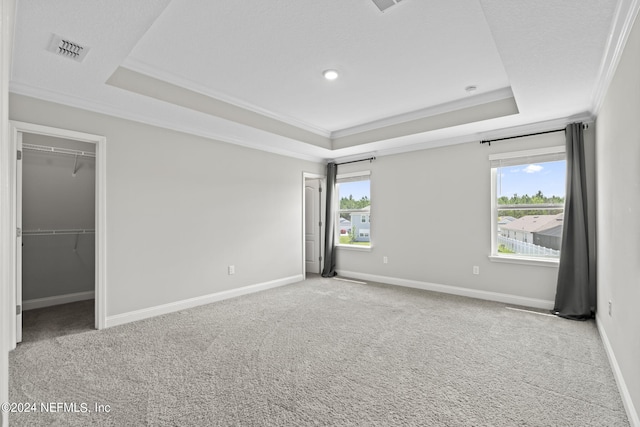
[60, 230]
[313, 212]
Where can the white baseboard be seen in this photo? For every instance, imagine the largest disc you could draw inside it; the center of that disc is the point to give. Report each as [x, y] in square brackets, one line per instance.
[454, 290]
[632, 414]
[145, 313]
[32, 304]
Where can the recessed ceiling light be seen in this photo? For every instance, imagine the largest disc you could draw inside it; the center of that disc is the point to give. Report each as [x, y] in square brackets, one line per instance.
[330, 74]
[471, 89]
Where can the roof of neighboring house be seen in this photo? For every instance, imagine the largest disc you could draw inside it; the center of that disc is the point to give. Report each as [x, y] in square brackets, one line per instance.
[534, 223]
[553, 231]
[344, 221]
[367, 208]
[506, 220]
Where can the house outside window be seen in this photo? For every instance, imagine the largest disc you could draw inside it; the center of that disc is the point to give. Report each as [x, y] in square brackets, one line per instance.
[528, 196]
[354, 200]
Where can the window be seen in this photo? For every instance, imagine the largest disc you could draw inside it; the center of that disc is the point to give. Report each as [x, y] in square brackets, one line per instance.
[528, 194]
[354, 208]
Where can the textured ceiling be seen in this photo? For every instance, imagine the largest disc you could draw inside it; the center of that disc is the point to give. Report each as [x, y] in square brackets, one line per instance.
[250, 72]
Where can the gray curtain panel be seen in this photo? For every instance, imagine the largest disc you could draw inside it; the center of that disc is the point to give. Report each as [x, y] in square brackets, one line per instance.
[329, 268]
[576, 290]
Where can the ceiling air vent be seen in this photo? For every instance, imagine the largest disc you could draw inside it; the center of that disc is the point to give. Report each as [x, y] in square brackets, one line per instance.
[385, 4]
[64, 47]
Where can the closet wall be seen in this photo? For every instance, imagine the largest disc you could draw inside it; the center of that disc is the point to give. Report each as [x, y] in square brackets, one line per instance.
[55, 260]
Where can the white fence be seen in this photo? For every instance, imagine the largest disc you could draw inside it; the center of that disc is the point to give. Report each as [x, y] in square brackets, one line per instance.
[523, 248]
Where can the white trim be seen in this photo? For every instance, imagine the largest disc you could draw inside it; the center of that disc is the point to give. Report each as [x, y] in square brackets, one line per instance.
[54, 132]
[448, 107]
[357, 248]
[420, 141]
[558, 149]
[364, 173]
[494, 211]
[101, 204]
[151, 71]
[429, 142]
[7, 242]
[114, 111]
[632, 414]
[32, 304]
[453, 290]
[546, 262]
[146, 313]
[622, 26]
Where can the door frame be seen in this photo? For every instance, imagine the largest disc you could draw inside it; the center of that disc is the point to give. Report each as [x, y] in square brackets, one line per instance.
[16, 128]
[323, 206]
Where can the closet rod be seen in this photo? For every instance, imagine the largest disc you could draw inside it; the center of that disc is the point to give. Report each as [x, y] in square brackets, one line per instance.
[58, 150]
[56, 232]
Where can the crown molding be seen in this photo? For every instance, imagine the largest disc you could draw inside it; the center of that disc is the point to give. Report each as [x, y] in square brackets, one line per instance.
[108, 110]
[541, 126]
[427, 143]
[625, 16]
[447, 107]
[146, 69]
[151, 87]
[476, 137]
[355, 157]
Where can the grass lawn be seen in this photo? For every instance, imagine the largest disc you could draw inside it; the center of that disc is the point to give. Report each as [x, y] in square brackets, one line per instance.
[345, 240]
[502, 249]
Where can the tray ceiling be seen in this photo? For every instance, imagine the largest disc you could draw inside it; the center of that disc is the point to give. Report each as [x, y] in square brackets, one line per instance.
[418, 74]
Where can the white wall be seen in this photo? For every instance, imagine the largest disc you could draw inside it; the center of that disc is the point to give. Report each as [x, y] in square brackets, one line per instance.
[54, 199]
[618, 161]
[442, 196]
[181, 208]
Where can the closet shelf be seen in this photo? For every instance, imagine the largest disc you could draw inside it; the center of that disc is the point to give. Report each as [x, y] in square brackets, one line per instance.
[56, 232]
[58, 150]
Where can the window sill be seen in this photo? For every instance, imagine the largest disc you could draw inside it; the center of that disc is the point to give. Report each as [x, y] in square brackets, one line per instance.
[524, 260]
[354, 248]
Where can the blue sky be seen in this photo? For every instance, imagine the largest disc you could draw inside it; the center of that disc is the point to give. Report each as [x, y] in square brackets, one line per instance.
[356, 188]
[549, 177]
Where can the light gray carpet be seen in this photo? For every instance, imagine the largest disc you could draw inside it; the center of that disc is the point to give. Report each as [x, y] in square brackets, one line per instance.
[326, 352]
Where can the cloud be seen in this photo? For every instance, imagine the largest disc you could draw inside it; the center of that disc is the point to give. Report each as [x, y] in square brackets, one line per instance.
[532, 169]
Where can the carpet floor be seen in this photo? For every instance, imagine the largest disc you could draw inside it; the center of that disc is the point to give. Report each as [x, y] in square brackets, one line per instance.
[321, 352]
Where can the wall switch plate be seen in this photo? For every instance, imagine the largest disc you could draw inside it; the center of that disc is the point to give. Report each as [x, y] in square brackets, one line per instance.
[476, 269]
[385, 260]
[231, 269]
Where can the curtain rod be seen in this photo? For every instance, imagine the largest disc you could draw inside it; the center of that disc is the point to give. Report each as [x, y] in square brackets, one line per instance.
[370, 159]
[489, 141]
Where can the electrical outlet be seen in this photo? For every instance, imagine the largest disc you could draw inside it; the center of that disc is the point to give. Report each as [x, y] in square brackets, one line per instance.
[610, 305]
[385, 260]
[476, 269]
[231, 269]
